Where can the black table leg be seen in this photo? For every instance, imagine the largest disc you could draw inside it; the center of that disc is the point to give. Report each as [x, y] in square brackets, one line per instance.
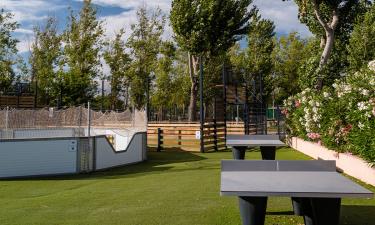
[300, 205]
[239, 152]
[322, 211]
[268, 152]
[252, 210]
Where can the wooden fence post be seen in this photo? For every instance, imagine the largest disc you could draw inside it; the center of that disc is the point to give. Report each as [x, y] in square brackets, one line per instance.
[215, 126]
[179, 138]
[160, 141]
[278, 119]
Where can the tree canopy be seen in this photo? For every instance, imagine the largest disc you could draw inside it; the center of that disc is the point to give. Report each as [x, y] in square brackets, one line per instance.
[362, 42]
[144, 43]
[8, 49]
[83, 46]
[44, 58]
[329, 20]
[119, 62]
[209, 26]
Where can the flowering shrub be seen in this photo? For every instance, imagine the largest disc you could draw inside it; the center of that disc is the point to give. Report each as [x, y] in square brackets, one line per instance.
[341, 117]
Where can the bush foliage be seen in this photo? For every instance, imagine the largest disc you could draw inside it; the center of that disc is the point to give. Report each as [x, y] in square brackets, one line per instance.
[341, 117]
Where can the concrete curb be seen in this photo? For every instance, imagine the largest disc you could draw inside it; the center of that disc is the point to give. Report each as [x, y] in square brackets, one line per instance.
[349, 164]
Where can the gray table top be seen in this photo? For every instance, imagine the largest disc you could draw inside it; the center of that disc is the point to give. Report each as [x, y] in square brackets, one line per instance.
[254, 140]
[283, 178]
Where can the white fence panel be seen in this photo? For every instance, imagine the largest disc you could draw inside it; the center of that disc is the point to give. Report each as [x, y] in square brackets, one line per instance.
[107, 156]
[38, 157]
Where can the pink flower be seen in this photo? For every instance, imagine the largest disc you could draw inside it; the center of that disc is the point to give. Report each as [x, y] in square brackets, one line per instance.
[373, 111]
[297, 103]
[313, 136]
[284, 111]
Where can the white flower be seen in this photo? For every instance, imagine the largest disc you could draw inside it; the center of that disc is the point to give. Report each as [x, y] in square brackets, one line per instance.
[365, 92]
[371, 65]
[315, 110]
[347, 88]
[326, 94]
[361, 125]
[362, 106]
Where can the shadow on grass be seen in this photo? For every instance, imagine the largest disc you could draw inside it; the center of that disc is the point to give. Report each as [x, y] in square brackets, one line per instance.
[358, 214]
[281, 213]
[156, 162]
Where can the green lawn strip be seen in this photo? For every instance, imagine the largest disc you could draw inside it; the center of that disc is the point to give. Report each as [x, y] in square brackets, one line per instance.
[170, 188]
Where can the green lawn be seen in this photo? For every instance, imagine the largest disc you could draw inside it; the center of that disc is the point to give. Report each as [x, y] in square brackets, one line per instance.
[171, 188]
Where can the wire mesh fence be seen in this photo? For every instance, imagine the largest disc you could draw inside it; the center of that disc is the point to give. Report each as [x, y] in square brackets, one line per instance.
[71, 122]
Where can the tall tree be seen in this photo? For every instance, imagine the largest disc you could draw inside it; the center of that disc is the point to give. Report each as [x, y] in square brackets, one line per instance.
[118, 61]
[44, 59]
[83, 45]
[144, 43]
[8, 50]
[206, 28]
[288, 56]
[362, 42]
[328, 20]
[164, 90]
[259, 53]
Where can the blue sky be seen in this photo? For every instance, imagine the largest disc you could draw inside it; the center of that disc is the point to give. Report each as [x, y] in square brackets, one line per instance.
[121, 13]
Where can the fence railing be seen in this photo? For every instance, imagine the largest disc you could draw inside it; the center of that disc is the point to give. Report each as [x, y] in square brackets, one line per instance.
[186, 136]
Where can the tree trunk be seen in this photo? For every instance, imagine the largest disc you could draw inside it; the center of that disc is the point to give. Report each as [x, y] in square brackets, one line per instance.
[329, 28]
[193, 71]
[322, 42]
[328, 46]
[330, 37]
[193, 101]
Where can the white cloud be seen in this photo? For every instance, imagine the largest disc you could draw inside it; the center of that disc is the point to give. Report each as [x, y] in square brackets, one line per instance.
[28, 10]
[24, 31]
[284, 15]
[124, 20]
[25, 44]
[164, 5]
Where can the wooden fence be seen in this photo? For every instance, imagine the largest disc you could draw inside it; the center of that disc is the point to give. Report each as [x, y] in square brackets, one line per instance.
[186, 136]
[17, 101]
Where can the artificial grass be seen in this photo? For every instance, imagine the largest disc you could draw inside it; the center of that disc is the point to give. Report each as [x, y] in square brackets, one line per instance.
[174, 188]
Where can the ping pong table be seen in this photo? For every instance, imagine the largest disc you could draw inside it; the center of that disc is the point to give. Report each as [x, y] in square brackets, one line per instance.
[314, 186]
[267, 144]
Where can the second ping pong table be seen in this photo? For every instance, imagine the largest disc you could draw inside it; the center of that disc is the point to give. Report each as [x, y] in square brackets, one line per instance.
[267, 144]
[314, 186]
